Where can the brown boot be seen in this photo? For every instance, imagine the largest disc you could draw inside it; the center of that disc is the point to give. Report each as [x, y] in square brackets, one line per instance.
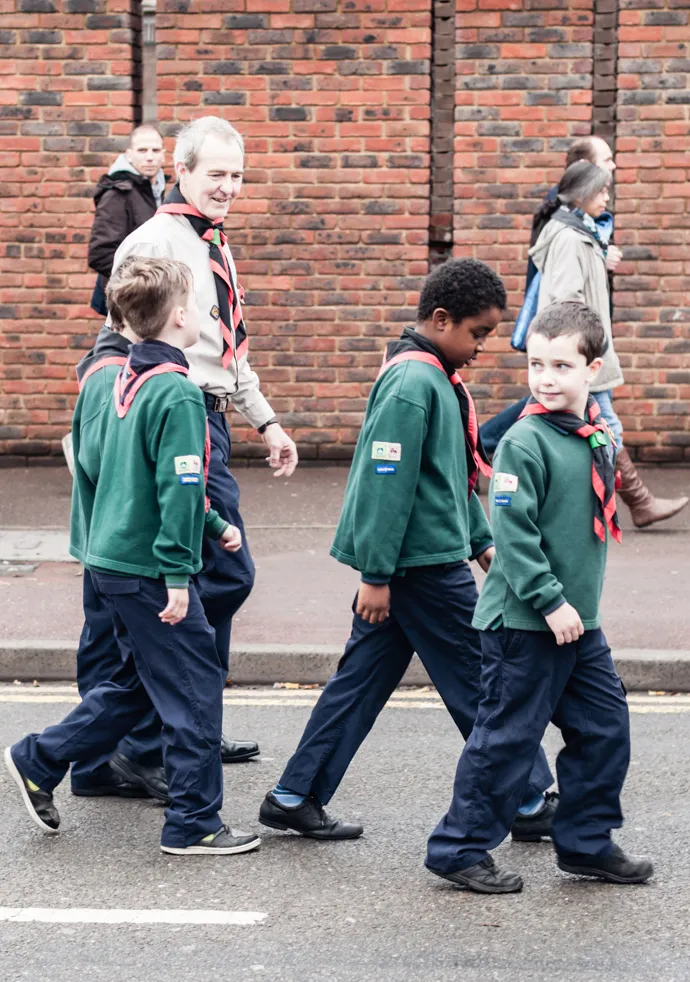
[645, 509]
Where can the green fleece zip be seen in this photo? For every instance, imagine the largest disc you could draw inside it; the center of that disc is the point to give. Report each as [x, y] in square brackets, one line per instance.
[138, 502]
[542, 516]
[406, 501]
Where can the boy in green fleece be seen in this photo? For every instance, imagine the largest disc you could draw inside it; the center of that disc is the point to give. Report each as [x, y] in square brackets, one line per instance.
[141, 513]
[544, 656]
[410, 522]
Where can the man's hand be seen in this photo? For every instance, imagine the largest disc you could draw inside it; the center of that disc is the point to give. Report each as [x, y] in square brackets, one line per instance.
[485, 558]
[231, 539]
[566, 624]
[373, 602]
[283, 458]
[178, 604]
[613, 257]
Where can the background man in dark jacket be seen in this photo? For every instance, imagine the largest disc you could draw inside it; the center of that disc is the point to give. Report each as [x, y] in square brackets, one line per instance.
[126, 197]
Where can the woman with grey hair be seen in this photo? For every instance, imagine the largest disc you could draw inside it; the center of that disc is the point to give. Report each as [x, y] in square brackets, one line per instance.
[571, 257]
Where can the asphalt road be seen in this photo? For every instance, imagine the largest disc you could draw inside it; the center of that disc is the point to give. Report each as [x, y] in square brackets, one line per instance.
[346, 912]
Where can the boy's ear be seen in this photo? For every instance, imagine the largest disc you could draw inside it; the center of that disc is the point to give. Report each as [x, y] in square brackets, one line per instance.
[441, 319]
[594, 368]
[179, 313]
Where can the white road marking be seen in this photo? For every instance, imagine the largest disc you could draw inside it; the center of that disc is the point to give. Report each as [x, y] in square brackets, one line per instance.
[97, 915]
[306, 698]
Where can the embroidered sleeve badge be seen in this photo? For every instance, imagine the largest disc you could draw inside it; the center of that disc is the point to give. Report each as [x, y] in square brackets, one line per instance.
[505, 483]
[386, 451]
[191, 464]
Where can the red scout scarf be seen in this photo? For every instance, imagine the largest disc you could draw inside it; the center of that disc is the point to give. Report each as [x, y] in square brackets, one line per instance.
[597, 432]
[228, 312]
[145, 360]
[98, 365]
[413, 347]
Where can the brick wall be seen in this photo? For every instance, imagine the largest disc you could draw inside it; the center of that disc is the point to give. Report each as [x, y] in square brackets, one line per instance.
[331, 232]
[345, 205]
[68, 73]
[653, 215]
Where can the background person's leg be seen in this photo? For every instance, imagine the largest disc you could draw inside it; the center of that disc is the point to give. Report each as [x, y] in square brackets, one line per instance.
[493, 431]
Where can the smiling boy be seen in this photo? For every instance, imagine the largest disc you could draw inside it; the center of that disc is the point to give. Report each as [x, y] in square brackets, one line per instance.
[410, 522]
[544, 656]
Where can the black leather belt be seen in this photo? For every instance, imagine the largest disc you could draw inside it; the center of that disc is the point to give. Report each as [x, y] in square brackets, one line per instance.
[217, 404]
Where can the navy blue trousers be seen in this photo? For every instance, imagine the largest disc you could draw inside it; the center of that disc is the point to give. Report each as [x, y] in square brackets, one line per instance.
[493, 431]
[527, 681]
[174, 669]
[227, 578]
[98, 658]
[223, 585]
[431, 613]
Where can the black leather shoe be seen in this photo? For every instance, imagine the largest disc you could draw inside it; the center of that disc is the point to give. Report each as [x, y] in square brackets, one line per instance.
[308, 819]
[237, 751]
[113, 785]
[614, 868]
[150, 779]
[485, 877]
[533, 828]
[39, 804]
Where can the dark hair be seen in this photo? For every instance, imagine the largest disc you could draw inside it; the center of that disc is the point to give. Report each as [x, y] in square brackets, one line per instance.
[147, 291]
[582, 149]
[463, 287]
[580, 182]
[568, 317]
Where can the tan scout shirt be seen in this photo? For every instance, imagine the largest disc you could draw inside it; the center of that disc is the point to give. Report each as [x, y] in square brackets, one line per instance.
[172, 237]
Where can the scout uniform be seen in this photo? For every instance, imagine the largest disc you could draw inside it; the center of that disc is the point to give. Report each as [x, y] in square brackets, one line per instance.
[98, 656]
[218, 364]
[411, 519]
[552, 506]
[141, 513]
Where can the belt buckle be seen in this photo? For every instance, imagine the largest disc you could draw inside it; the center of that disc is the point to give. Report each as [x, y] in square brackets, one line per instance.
[221, 404]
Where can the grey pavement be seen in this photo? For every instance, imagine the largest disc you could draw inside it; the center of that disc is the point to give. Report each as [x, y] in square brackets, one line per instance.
[302, 597]
[344, 912]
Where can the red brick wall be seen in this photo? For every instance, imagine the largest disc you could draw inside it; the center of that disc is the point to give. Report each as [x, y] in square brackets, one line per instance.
[653, 215]
[66, 92]
[332, 233]
[524, 91]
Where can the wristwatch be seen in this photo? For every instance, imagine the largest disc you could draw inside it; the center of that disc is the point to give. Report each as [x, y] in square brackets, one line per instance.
[264, 426]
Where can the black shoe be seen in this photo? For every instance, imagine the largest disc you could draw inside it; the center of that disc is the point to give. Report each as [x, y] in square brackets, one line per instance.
[237, 751]
[308, 819]
[532, 828]
[614, 868]
[150, 779]
[113, 785]
[39, 804]
[224, 842]
[485, 877]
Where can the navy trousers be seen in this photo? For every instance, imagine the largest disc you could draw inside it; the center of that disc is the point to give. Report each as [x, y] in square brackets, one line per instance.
[174, 669]
[493, 431]
[98, 658]
[227, 578]
[527, 681]
[431, 613]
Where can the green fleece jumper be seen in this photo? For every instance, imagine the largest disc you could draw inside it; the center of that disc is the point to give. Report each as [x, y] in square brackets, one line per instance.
[138, 505]
[406, 501]
[542, 516]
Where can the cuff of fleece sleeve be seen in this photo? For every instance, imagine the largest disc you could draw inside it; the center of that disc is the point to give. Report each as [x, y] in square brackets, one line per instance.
[482, 548]
[374, 580]
[177, 582]
[554, 605]
[215, 526]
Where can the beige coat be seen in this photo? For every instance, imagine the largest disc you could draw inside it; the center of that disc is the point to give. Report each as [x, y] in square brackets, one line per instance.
[171, 236]
[573, 267]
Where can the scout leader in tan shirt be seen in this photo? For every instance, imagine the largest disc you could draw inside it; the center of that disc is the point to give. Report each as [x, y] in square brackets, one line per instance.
[209, 165]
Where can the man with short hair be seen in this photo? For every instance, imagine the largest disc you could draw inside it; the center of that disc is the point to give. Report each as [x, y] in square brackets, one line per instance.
[596, 151]
[126, 197]
[209, 165]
